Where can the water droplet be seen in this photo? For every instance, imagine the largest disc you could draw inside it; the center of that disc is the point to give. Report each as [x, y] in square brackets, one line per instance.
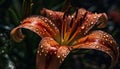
[42, 50]
[46, 51]
[58, 56]
[103, 42]
[41, 46]
[106, 39]
[92, 22]
[111, 41]
[45, 20]
[45, 54]
[44, 30]
[55, 52]
[42, 18]
[53, 25]
[82, 27]
[50, 14]
[38, 52]
[94, 17]
[106, 35]
[63, 54]
[72, 16]
[62, 59]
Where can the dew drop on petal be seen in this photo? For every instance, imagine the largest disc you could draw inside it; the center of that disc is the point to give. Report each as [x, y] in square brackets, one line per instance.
[38, 52]
[42, 50]
[111, 41]
[55, 52]
[82, 27]
[45, 54]
[41, 46]
[94, 17]
[58, 56]
[92, 22]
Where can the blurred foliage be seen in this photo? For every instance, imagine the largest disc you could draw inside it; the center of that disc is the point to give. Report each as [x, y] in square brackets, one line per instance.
[22, 55]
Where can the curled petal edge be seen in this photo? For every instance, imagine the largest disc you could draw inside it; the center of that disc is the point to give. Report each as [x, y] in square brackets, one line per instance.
[36, 24]
[50, 54]
[99, 40]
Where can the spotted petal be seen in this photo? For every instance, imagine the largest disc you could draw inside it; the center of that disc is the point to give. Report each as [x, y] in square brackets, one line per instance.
[101, 41]
[55, 16]
[38, 24]
[85, 22]
[50, 54]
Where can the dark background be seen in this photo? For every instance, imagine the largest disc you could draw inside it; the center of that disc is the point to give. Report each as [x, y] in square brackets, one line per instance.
[22, 55]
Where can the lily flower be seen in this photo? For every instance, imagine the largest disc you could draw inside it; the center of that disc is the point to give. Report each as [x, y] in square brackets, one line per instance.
[62, 33]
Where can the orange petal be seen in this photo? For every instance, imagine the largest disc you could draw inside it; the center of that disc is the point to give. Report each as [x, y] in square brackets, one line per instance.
[102, 20]
[101, 41]
[55, 16]
[87, 22]
[37, 24]
[50, 55]
[75, 22]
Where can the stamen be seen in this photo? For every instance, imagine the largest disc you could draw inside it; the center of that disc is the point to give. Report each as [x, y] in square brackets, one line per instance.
[82, 19]
[64, 24]
[71, 22]
[79, 27]
[76, 13]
